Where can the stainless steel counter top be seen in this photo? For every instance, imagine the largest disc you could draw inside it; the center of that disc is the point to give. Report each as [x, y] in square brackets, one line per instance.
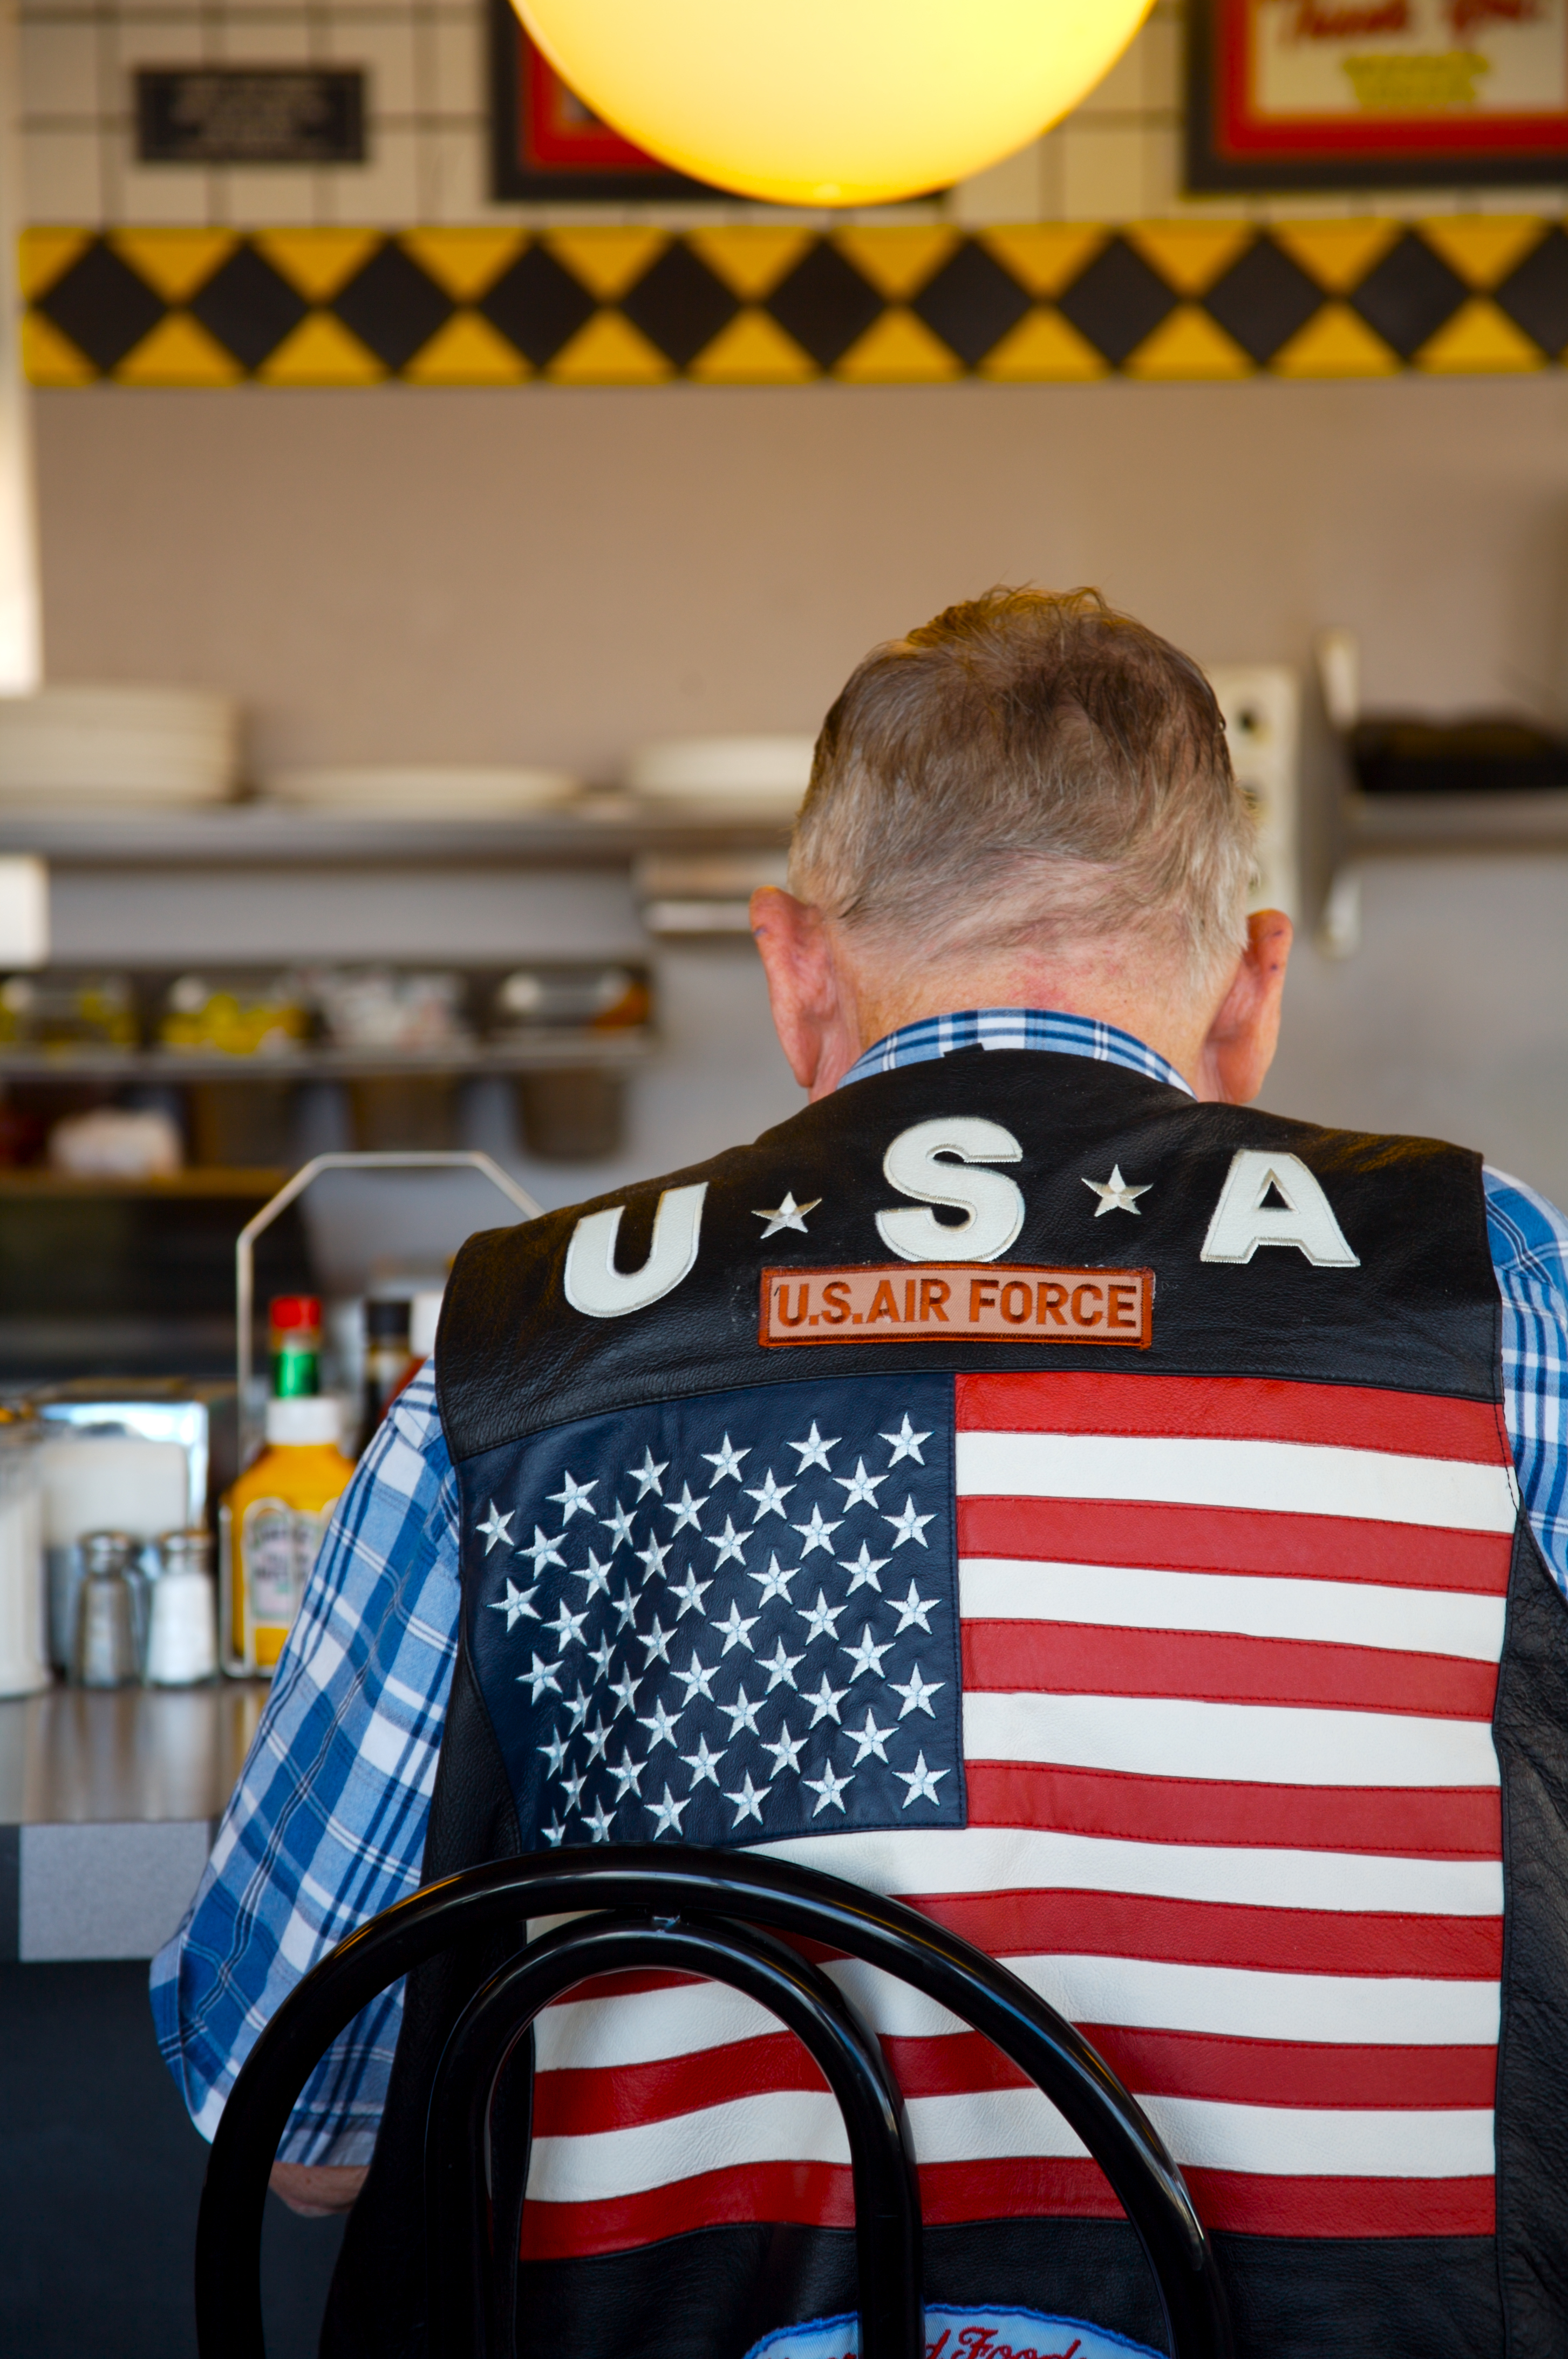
[107, 1805]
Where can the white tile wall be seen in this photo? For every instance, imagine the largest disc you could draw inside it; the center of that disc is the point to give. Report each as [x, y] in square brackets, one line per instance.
[1117, 158]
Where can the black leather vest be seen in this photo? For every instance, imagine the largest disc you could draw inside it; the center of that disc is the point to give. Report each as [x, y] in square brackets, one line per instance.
[1383, 1338]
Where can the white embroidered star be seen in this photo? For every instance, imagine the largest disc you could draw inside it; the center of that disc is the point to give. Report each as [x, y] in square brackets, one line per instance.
[626, 1773]
[813, 1450]
[541, 1552]
[600, 1821]
[921, 1781]
[786, 1750]
[1115, 1196]
[573, 1496]
[775, 1581]
[577, 1706]
[666, 1815]
[571, 1784]
[599, 1656]
[913, 1608]
[623, 1689]
[515, 1604]
[816, 1534]
[917, 1694]
[820, 1619]
[555, 1753]
[541, 1676]
[729, 1543]
[865, 1569]
[660, 1722]
[684, 1510]
[625, 1606]
[867, 1656]
[735, 1629]
[742, 1713]
[826, 1702]
[905, 1443]
[869, 1739]
[829, 1788]
[778, 1665]
[691, 1592]
[656, 1644]
[596, 1575]
[786, 1215]
[652, 1557]
[858, 1486]
[568, 1628]
[498, 1529]
[598, 1736]
[619, 1527]
[699, 1680]
[724, 1460]
[703, 1764]
[749, 1800]
[553, 1833]
[645, 1476]
[908, 1526]
[771, 1497]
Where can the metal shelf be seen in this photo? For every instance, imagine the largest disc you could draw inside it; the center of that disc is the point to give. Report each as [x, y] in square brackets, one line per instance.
[552, 1052]
[1407, 827]
[599, 830]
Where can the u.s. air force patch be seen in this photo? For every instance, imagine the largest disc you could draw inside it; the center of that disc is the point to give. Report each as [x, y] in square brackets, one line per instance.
[924, 1303]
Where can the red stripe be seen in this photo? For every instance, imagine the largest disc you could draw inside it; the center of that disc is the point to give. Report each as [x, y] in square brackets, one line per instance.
[1290, 2073]
[1235, 1540]
[819, 2195]
[620, 2096]
[1407, 1822]
[1348, 1417]
[1220, 1667]
[1221, 1933]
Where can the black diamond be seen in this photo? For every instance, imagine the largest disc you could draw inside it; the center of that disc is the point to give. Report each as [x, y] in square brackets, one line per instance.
[537, 305]
[392, 306]
[680, 305]
[1410, 294]
[1535, 295]
[1263, 299]
[249, 307]
[825, 304]
[1117, 301]
[971, 303]
[103, 306]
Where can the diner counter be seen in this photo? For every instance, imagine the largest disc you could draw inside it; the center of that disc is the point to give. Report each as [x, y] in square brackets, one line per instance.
[108, 1801]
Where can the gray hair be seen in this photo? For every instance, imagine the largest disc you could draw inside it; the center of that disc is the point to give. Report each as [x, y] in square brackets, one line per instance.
[1028, 769]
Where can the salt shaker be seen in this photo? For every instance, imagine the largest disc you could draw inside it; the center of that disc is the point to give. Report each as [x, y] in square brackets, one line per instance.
[105, 1653]
[182, 1638]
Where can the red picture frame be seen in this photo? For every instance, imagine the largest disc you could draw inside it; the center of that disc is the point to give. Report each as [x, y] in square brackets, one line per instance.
[1377, 93]
[545, 143]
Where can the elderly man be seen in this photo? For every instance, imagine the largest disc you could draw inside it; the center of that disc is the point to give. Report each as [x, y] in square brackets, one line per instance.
[1025, 1482]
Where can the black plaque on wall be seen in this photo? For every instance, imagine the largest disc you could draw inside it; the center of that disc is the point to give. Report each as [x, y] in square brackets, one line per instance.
[250, 114]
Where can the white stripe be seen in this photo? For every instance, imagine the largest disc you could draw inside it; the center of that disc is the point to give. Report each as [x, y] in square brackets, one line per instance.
[1282, 1477]
[1338, 1613]
[652, 2026]
[803, 2125]
[1022, 1859]
[1253, 1744]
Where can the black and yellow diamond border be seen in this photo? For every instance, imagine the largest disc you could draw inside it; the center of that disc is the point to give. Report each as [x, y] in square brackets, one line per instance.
[1041, 302]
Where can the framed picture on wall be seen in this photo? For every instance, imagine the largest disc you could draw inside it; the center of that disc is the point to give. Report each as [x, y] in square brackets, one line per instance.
[1377, 93]
[545, 143]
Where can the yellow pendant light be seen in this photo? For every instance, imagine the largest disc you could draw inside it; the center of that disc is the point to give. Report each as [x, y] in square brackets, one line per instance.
[831, 102]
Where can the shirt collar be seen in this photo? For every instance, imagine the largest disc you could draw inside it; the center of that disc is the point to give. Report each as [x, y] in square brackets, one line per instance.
[1013, 1027]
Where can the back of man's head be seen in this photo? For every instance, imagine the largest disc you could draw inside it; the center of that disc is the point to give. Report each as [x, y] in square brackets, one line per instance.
[1027, 773]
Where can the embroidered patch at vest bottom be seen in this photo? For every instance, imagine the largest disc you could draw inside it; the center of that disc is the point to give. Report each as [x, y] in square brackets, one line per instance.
[967, 2333]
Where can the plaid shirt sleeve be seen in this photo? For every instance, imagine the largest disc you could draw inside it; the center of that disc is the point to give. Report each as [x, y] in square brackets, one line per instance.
[1530, 1252]
[327, 1823]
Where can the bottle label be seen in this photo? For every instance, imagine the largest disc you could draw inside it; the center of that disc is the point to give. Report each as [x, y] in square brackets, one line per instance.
[279, 1544]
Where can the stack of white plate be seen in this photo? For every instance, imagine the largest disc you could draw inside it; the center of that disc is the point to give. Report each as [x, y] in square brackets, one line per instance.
[760, 777]
[451, 792]
[66, 748]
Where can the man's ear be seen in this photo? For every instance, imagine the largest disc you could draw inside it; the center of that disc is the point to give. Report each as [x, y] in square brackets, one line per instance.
[814, 1008]
[1238, 1048]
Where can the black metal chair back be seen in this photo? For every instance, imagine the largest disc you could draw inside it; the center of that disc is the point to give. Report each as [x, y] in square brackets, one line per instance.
[712, 1913]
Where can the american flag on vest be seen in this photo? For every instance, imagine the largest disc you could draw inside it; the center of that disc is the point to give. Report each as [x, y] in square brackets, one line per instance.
[1173, 1693]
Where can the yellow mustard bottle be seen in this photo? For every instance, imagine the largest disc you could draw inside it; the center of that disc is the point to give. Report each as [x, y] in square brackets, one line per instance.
[270, 1526]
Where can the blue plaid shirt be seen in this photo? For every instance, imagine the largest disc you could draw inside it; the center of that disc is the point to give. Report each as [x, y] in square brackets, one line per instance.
[327, 1824]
